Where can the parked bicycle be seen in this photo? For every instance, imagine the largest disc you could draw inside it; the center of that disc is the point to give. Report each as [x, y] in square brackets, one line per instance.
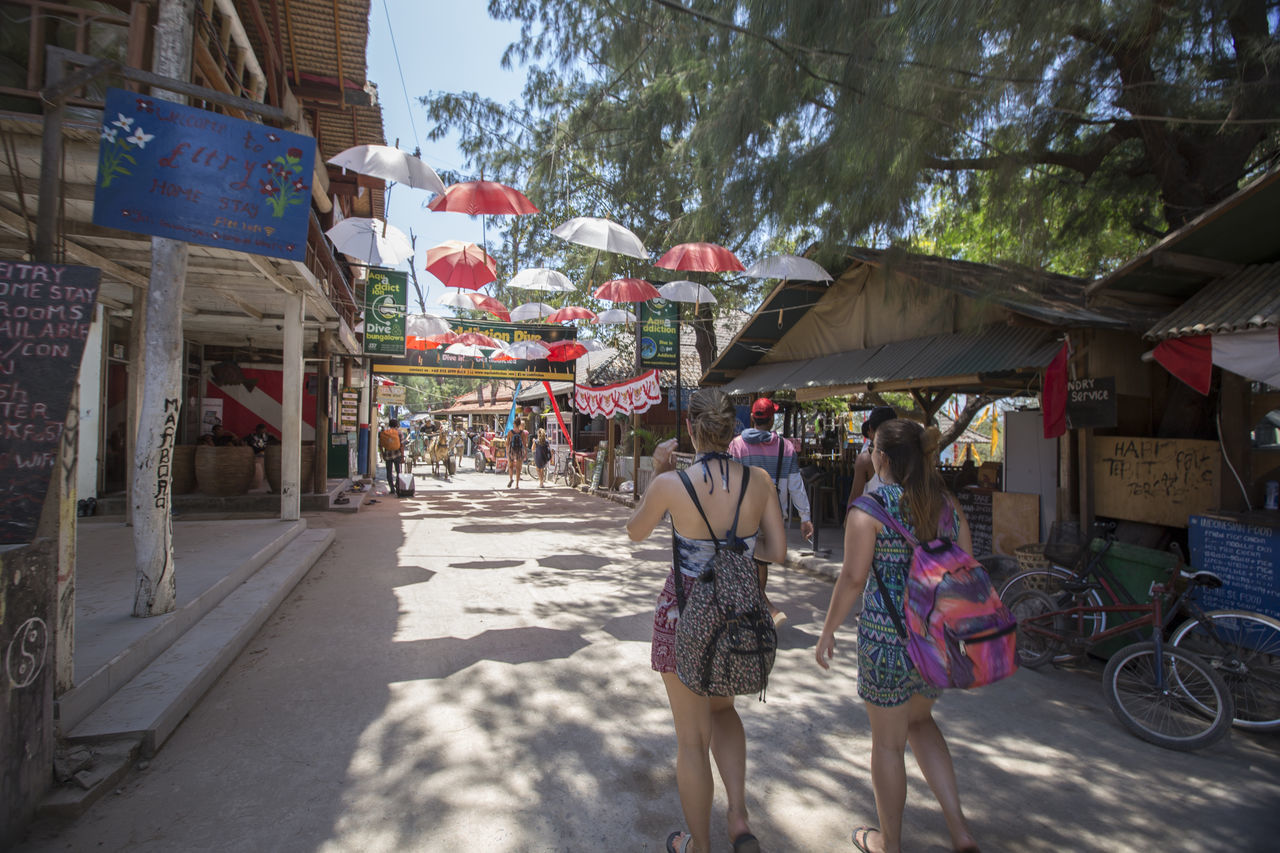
[1242, 646]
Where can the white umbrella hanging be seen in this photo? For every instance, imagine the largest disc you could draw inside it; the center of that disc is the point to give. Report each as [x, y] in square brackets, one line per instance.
[530, 350]
[531, 311]
[791, 267]
[425, 325]
[615, 315]
[390, 164]
[372, 241]
[686, 291]
[592, 345]
[540, 278]
[596, 233]
[469, 350]
[456, 299]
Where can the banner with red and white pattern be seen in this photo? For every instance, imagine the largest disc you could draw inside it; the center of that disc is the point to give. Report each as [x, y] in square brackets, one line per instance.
[620, 398]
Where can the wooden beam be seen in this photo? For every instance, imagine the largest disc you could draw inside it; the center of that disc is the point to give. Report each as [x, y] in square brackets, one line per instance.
[15, 223]
[75, 192]
[1182, 262]
[238, 302]
[263, 266]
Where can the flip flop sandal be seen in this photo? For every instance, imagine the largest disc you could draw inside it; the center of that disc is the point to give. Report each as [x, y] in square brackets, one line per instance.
[342, 500]
[746, 843]
[687, 839]
[865, 832]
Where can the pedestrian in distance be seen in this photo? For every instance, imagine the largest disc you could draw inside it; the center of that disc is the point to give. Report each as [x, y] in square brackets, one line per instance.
[706, 724]
[898, 701]
[541, 455]
[517, 447]
[762, 447]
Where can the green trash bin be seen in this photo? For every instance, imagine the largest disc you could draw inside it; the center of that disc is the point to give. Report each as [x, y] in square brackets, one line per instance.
[1136, 568]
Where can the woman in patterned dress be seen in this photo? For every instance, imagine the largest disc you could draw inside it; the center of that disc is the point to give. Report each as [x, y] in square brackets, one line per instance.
[899, 703]
[706, 723]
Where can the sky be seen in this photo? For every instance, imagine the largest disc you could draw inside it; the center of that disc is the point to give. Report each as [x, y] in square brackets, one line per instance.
[442, 45]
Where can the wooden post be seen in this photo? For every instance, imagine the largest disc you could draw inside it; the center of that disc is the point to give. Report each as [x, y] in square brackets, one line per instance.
[291, 410]
[156, 587]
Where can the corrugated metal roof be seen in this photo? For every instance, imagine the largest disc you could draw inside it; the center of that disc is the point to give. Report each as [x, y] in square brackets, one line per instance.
[1242, 302]
[995, 350]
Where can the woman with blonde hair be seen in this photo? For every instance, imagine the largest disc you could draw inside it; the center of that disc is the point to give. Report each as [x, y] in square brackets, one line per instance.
[706, 724]
[899, 703]
[541, 455]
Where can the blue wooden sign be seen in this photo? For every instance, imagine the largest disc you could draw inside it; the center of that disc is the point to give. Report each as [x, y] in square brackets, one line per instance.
[174, 171]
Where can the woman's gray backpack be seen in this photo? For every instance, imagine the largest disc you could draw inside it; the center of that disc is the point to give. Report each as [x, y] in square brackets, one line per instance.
[725, 638]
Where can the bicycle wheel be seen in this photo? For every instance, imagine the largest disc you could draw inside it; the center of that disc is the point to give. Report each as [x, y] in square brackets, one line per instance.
[1034, 649]
[1191, 709]
[1049, 581]
[1244, 648]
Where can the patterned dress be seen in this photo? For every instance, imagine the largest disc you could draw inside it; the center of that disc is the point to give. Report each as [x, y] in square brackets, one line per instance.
[886, 675]
[694, 556]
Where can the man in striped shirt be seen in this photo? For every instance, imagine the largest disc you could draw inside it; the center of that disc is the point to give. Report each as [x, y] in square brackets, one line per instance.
[761, 447]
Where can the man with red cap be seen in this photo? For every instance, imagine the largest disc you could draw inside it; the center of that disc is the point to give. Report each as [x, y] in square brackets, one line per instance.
[763, 448]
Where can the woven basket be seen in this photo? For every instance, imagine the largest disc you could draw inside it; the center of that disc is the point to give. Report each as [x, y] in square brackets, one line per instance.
[1031, 557]
[307, 475]
[183, 469]
[224, 471]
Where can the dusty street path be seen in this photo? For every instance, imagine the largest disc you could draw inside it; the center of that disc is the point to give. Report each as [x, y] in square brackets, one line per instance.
[467, 670]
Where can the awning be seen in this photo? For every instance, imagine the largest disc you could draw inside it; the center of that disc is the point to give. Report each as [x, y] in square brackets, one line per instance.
[993, 357]
[1246, 301]
[534, 392]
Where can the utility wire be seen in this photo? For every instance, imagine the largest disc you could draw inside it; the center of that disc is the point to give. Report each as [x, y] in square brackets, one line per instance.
[400, 70]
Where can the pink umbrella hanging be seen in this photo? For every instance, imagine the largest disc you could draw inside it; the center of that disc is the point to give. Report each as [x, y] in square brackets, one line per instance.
[627, 290]
[565, 351]
[460, 264]
[487, 303]
[479, 339]
[704, 257]
[479, 198]
[571, 312]
[444, 340]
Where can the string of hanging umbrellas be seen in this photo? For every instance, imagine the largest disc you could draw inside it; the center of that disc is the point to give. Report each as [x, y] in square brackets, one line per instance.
[466, 267]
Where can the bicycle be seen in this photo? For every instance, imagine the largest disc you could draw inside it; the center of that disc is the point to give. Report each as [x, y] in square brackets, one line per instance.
[1242, 646]
[1161, 693]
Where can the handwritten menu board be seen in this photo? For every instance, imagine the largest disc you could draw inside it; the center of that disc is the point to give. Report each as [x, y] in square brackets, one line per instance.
[1245, 556]
[45, 313]
[976, 504]
[1156, 480]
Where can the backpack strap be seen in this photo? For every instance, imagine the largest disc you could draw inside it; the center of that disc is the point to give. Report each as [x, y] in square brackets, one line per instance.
[777, 472]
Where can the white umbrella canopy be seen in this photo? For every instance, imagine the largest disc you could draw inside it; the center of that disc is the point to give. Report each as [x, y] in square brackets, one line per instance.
[686, 291]
[470, 350]
[615, 315]
[531, 311]
[596, 233]
[791, 267]
[540, 278]
[425, 325]
[456, 299]
[390, 164]
[372, 241]
[529, 350]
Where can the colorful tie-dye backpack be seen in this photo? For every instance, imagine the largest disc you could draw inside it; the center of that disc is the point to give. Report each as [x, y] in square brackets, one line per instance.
[958, 632]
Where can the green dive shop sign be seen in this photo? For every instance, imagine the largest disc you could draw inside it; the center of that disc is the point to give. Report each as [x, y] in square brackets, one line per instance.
[659, 333]
[385, 297]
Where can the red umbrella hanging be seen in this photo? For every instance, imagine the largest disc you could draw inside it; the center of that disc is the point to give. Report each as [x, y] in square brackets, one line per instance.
[704, 257]
[627, 290]
[493, 306]
[437, 341]
[460, 264]
[570, 312]
[478, 339]
[565, 351]
[479, 198]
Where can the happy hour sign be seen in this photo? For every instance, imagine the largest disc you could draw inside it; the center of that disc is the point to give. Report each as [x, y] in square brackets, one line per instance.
[174, 171]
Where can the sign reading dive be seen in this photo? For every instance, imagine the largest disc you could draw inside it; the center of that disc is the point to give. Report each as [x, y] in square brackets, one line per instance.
[385, 298]
[45, 313]
[174, 171]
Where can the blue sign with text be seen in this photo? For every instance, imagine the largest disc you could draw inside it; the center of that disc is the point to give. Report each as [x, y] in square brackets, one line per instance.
[175, 171]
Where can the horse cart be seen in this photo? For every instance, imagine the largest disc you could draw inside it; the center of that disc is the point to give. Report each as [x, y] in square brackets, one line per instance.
[441, 450]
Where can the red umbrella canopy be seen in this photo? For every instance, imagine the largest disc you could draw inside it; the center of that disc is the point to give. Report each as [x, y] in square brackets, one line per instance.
[565, 351]
[570, 312]
[477, 198]
[627, 290]
[478, 339]
[460, 264]
[704, 257]
[493, 306]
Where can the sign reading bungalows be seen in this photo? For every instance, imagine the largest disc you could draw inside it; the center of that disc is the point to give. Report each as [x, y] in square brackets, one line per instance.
[385, 299]
[45, 313]
[437, 362]
[175, 171]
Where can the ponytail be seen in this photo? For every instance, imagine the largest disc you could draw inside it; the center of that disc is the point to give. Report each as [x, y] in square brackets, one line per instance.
[913, 459]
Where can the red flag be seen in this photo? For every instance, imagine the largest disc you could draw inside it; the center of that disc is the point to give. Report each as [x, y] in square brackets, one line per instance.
[1053, 396]
[1190, 359]
[555, 407]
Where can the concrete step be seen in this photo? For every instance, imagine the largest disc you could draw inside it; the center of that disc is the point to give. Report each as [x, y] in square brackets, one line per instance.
[155, 701]
[77, 703]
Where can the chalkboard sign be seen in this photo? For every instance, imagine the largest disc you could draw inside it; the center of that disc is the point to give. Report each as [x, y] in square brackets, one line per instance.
[1156, 480]
[45, 313]
[976, 504]
[1091, 403]
[1245, 556]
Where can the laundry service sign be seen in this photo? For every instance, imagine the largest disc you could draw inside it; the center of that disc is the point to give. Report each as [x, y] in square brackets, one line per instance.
[170, 170]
